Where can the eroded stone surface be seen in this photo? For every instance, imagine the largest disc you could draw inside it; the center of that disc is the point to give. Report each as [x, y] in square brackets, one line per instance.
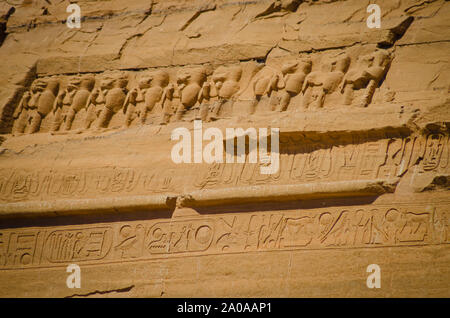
[86, 174]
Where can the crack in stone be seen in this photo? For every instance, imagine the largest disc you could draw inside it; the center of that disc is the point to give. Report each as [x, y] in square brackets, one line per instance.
[103, 292]
[201, 10]
[96, 35]
[424, 42]
[419, 5]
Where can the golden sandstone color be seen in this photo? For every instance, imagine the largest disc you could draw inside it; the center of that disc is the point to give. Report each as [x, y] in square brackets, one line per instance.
[87, 118]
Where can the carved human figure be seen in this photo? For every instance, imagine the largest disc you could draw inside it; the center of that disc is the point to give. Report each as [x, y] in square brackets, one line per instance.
[266, 81]
[114, 101]
[294, 76]
[147, 97]
[226, 83]
[167, 103]
[70, 91]
[367, 75]
[80, 100]
[96, 102]
[153, 96]
[63, 102]
[326, 81]
[36, 89]
[190, 83]
[135, 102]
[204, 99]
[41, 103]
[57, 111]
[264, 85]
[21, 114]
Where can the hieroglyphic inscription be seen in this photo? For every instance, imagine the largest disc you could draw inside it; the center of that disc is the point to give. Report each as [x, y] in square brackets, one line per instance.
[179, 237]
[334, 227]
[436, 152]
[300, 162]
[313, 162]
[78, 245]
[18, 248]
[20, 185]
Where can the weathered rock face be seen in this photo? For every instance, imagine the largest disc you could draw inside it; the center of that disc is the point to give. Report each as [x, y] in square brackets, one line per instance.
[87, 177]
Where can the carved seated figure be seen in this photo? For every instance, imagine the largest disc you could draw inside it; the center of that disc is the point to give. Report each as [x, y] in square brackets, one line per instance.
[58, 115]
[41, 102]
[134, 99]
[226, 83]
[36, 89]
[367, 75]
[264, 83]
[325, 82]
[114, 101]
[20, 115]
[70, 91]
[167, 104]
[96, 102]
[80, 100]
[63, 103]
[190, 83]
[294, 76]
[144, 99]
[135, 102]
[153, 95]
[204, 99]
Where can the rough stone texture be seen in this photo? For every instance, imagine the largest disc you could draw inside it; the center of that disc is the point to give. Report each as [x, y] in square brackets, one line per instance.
[86, 175]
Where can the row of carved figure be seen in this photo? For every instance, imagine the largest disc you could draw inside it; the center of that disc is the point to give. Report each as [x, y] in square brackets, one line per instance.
[197, 90]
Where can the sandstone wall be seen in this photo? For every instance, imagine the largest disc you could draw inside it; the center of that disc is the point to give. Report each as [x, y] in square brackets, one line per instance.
[86, 175]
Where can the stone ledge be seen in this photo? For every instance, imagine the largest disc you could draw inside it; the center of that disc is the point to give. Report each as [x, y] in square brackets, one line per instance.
[239, 195]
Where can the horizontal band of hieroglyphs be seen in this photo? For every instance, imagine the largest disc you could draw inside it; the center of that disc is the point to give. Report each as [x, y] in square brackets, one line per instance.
[343, 227]
[307, 163]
